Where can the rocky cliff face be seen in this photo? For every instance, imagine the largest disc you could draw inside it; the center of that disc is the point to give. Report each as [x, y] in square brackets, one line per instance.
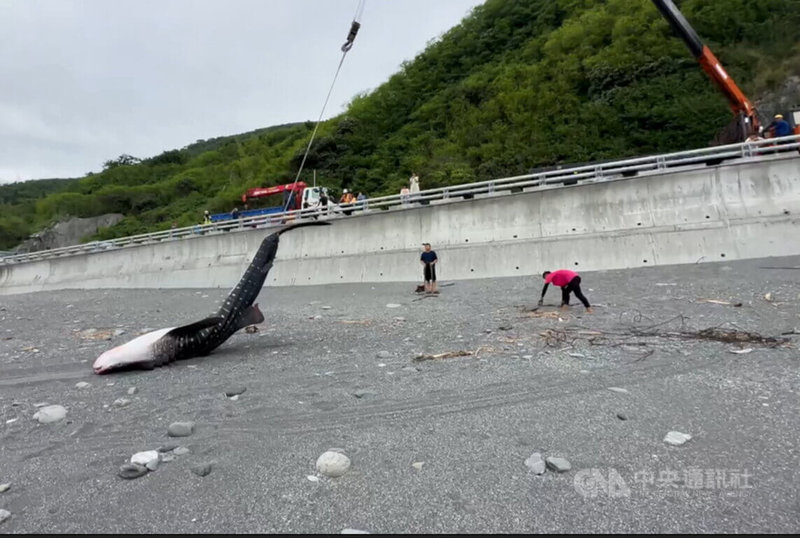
[781, 100]
[67, 233]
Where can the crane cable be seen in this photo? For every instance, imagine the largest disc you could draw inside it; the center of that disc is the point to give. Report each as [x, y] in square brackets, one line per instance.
[351, 36]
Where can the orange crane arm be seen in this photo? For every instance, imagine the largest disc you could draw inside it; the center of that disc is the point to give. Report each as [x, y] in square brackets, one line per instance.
[737, 100]
[739, 103]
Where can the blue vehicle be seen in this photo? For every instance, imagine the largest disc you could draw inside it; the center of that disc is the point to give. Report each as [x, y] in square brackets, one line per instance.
[221, 217]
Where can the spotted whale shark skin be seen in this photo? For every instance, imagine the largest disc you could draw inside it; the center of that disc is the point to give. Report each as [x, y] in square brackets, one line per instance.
[200, 338]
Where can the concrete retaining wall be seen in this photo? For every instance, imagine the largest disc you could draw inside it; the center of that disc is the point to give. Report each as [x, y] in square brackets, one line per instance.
[735, 211]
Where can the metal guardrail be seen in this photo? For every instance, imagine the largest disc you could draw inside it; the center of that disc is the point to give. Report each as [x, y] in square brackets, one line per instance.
[580, 174]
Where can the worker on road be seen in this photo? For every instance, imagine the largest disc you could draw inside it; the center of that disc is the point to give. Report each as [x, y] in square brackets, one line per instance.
[413, 184]
[323, 201]
[346, 200]
[568, 281]
[779, 126]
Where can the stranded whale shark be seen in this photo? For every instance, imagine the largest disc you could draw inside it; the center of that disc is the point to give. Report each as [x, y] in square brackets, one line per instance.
[163, 346]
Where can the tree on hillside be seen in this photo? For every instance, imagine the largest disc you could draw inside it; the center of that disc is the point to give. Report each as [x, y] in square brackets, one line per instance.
[122, 160]
[174, 156]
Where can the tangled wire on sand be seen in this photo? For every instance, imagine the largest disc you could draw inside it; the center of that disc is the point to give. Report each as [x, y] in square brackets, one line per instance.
[650, 335]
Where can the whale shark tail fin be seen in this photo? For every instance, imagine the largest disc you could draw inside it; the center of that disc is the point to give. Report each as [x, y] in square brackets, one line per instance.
[193, 328]
[301, 224]
[269, 245]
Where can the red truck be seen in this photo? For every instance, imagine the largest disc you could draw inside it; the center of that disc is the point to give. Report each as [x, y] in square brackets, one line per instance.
[298, 195]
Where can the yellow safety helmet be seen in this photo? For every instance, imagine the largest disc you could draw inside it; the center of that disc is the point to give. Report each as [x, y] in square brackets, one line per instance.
[778, 116]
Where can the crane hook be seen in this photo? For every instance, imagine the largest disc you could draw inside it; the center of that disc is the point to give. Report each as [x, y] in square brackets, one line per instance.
[351, 36]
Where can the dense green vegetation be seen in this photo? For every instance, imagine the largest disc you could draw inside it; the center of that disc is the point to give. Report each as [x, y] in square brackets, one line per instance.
[18, 206]
[517, 85]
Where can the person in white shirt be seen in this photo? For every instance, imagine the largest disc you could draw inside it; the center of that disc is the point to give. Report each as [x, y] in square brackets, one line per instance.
[414, 183]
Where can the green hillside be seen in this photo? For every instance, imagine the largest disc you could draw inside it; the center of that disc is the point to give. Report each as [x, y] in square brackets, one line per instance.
[517, 85]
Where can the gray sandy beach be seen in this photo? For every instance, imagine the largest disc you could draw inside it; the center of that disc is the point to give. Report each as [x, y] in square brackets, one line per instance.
[334, 367]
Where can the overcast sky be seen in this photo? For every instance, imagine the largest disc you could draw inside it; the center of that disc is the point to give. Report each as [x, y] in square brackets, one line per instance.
[84, 81]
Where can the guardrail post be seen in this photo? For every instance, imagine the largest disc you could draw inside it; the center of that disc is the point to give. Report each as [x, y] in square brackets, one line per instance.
[598, 173]
[661, 162]
[491, 187]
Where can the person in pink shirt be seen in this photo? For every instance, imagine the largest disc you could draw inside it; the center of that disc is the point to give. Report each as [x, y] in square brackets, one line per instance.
[568, 281]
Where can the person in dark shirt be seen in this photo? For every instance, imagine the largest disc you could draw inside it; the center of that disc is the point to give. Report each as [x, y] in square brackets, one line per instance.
[428, 259]
[780, 126]
[290, 201]
[568, 281]
[323, 202]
